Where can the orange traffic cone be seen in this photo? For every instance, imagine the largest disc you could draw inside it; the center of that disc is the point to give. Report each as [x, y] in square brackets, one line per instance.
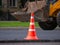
[31, 32]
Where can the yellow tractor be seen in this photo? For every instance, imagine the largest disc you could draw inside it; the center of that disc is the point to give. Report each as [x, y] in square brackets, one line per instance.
[46, 11]
[51, 15]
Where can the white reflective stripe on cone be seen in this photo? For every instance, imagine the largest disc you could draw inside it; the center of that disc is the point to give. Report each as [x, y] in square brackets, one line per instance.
[32, 17]
[31, 29]
[31, 23]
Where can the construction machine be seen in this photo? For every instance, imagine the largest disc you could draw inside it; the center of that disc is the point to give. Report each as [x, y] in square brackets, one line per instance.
[47, 12]
[49, 17]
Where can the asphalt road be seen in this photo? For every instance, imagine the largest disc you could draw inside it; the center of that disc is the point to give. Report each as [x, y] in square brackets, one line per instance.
[34, 43]
[19, 33]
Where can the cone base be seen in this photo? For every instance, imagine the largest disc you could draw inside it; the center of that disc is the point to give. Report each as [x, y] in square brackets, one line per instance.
[31, 38]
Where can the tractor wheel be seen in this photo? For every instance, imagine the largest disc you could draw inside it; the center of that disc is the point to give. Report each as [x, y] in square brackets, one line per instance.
[48, 25]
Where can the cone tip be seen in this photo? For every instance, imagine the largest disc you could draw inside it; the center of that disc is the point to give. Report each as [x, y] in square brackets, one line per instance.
[32, 14]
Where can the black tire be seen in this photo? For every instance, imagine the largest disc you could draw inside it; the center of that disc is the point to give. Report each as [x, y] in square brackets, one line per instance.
[58, 18]
[48, 25]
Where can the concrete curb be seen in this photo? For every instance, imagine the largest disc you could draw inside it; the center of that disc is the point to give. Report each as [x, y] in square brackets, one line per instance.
[17, 41]
[14, 28]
